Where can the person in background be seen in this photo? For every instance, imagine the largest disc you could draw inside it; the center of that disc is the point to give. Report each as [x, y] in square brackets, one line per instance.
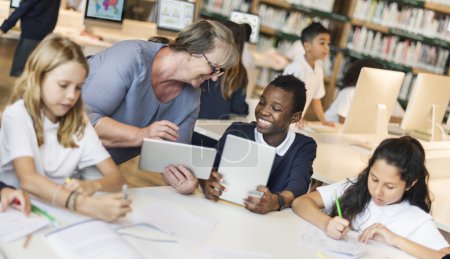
[143, 89]
[8, 195]
[226, 96]
[308, 68]
[37, 20]
[388, 202]
[45, 136]
[280, 105]
[338, 110]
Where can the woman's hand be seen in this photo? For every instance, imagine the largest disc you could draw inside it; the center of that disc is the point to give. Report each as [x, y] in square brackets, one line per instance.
[268, 202]
[213, 189]
[180, 178]
[110, 207]
[378, 232]
[337, 228]
[10, 196]
[162, 130]
[83, 187]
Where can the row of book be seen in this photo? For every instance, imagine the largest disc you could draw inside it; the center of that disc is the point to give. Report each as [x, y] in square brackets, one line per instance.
[225, 7]
[395, 49]
[415, 20]
[323, 5]
[291, 22]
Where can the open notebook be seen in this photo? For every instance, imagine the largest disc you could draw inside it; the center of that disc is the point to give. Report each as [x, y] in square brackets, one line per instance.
[312, 236]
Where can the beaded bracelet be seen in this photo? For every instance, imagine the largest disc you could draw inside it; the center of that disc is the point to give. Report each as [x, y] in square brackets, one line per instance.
[66, 205]
[73, 202]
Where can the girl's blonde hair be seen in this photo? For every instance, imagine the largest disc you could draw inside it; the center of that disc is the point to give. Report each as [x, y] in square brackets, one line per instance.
[52, 52]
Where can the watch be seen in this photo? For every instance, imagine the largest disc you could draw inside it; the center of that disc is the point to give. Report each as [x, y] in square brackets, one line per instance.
[281, 202]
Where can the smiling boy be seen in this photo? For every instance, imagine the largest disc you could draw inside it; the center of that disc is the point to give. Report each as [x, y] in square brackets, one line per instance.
[280, 105]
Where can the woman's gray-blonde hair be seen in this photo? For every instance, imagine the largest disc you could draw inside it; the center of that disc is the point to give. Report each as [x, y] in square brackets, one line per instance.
[203, 37]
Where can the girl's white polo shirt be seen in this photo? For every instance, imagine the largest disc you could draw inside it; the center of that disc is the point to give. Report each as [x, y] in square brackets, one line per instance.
[402, 218]
[18, 139]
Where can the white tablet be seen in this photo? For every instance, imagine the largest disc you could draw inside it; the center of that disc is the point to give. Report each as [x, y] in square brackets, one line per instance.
[244, 165]
[158, 154]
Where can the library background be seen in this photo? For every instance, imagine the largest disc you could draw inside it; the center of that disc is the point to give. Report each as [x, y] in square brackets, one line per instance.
[407, 35]
[411, 35]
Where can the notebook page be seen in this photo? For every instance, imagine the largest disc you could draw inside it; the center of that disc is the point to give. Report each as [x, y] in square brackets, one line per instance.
[90, 239]
[312, 236]
[14, 225]
[213, 253]
[62, 216]
[174, 221]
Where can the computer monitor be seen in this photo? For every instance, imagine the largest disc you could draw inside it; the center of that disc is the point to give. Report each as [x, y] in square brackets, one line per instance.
[174, 15]
[427, 105]
[251, 19]
[14, 3]
[375, 95]
[103, 14]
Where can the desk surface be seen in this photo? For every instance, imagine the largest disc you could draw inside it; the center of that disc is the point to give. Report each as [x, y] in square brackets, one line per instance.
[275, 234]
[338, 159]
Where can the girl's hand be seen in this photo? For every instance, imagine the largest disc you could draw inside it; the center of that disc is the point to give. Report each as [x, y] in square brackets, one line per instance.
[180, 178]
[110, 207]
[301, 123]
[337, 228]
[83, 187]
[213, 189]
[268, 202]
[378, 232]
[9, 196]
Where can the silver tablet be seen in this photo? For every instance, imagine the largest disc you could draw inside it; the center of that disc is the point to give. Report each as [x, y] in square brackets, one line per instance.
[244, 165]
[158, 154]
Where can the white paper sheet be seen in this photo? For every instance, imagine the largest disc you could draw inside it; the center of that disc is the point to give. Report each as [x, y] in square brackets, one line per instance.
[88, 240]
[228, 254]
[14, 225]
[174, 221]
[312, 236]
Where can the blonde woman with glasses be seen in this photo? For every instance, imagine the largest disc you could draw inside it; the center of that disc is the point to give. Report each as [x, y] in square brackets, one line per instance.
[144, 89]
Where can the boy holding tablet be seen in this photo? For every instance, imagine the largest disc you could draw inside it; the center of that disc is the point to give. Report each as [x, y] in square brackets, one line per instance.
[281, 104]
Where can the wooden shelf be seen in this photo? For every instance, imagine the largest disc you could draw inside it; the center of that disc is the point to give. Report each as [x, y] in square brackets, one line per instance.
[278, 3]
[267, 30]
[440, 8]
[371, 25]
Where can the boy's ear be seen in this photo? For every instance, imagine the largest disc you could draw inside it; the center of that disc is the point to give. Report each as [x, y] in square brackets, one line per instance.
[296, 117]
[307, 46]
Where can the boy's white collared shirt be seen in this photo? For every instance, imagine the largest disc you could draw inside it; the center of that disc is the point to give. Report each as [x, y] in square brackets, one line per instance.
[312, 77]
[280, 149]
[401, 218]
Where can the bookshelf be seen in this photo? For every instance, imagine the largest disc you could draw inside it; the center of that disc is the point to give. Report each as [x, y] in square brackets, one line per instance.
[416, 31]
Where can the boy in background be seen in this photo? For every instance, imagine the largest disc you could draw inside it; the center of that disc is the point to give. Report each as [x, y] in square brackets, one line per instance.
[308, 68]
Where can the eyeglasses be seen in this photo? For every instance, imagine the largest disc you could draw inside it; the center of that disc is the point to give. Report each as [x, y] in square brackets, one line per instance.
[216, 71]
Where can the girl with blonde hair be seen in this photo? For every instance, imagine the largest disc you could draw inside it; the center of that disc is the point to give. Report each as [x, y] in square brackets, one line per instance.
[45, 136]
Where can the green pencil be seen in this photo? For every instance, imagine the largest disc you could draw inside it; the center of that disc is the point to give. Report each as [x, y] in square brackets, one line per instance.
[42, 212]
[338, 207]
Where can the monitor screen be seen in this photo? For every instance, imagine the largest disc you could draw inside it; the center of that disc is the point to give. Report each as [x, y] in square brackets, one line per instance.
[251, 19]
[14, 3]
[108, 10]
[174, 14]
[429, 90]
[374, 87]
